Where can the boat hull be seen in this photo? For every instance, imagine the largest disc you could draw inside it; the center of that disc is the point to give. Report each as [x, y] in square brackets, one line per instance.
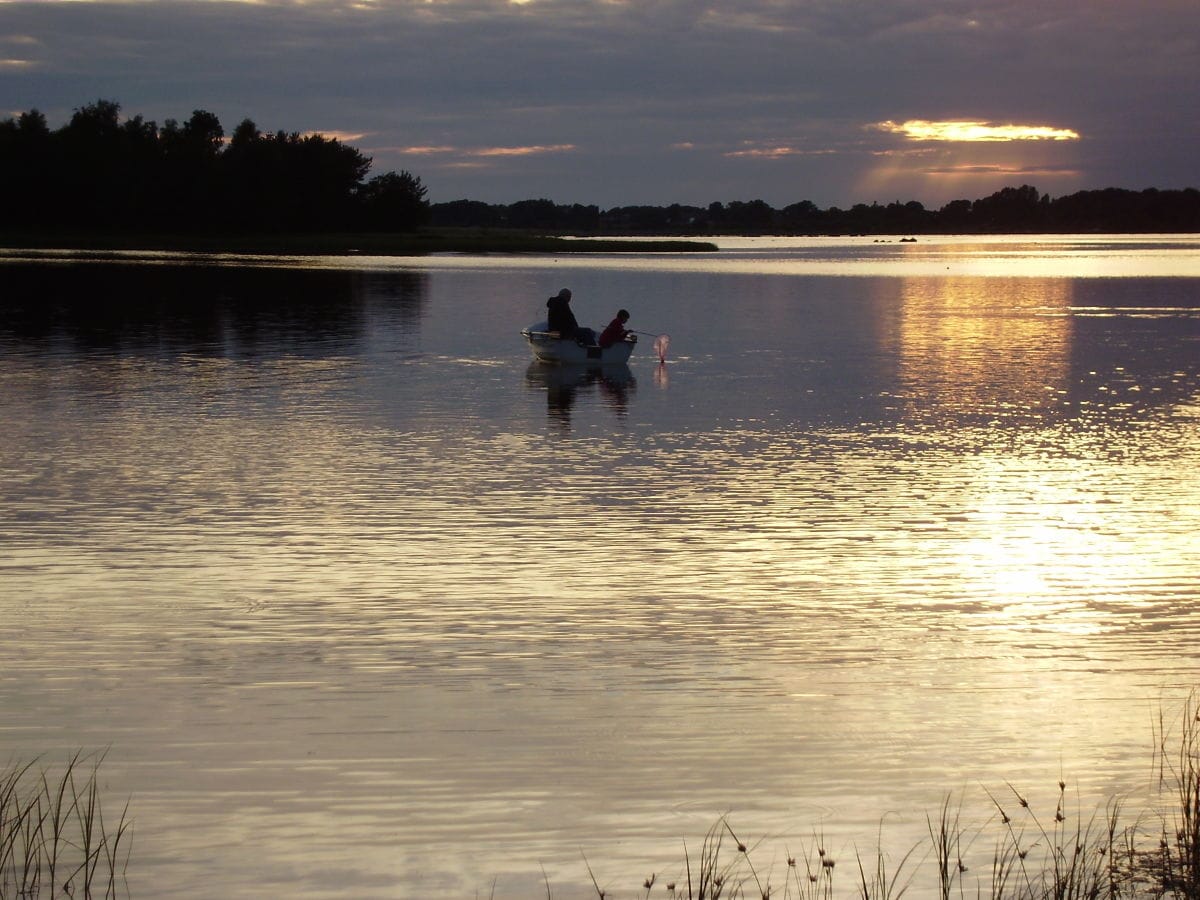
[548, 347]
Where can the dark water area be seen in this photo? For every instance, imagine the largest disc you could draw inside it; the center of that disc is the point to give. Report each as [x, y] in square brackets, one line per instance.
[235, 310]
[362, 602]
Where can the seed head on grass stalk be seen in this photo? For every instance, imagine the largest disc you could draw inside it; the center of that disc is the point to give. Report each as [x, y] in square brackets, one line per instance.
[1010, 856]
[764, 893]
[711, 877]
[1079, 855]
[817, 880]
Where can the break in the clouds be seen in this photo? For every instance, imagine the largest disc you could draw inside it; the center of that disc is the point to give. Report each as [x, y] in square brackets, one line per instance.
[976, 132]
[446, 150]
[656, 101]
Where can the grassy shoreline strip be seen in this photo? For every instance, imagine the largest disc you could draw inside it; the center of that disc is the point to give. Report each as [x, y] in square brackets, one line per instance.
[419, 243]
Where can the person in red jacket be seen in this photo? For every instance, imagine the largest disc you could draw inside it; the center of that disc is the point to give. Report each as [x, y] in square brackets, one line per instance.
[615, 331]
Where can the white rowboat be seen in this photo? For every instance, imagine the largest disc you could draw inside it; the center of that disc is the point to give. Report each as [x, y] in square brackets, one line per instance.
[549, 347]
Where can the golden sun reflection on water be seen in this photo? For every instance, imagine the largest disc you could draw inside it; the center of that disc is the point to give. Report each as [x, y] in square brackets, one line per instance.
[971, 344]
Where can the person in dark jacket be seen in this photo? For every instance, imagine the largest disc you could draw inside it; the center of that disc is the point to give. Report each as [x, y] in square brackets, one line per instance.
[562, 320]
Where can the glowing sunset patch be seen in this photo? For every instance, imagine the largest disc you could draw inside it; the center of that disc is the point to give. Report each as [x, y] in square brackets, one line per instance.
[422, 150]
[445, 150]
[1012, 171]
[762, 152]
[780, 151]
[534, 150]
[975, 132]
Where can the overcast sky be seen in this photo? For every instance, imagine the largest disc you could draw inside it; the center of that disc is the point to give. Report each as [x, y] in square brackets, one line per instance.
[619, 102]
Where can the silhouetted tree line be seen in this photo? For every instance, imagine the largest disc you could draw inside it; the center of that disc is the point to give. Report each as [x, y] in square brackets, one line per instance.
[98, 172]
[1011, 210]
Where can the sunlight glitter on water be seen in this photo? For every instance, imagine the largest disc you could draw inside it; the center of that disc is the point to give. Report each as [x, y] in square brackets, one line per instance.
[357, 597]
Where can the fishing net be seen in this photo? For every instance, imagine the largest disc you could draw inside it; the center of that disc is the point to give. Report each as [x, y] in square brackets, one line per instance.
[661, 343]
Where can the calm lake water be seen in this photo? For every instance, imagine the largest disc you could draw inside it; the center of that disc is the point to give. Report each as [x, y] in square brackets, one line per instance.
[362, 603]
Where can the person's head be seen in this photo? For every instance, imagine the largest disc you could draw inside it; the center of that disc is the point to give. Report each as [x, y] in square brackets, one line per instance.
[564, 294]
[623, 315]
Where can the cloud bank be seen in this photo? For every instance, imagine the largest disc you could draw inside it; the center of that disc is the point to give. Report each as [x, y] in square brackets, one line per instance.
[656, 101]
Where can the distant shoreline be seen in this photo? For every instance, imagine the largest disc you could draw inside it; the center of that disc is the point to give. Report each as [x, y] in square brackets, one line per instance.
[424, 242]
[418, 243]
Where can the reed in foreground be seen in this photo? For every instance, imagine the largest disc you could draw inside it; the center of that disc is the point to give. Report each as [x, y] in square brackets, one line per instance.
[54, 838]
[1176, 862]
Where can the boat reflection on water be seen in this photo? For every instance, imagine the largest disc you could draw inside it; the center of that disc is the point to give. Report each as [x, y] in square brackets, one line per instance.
[612, 385]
